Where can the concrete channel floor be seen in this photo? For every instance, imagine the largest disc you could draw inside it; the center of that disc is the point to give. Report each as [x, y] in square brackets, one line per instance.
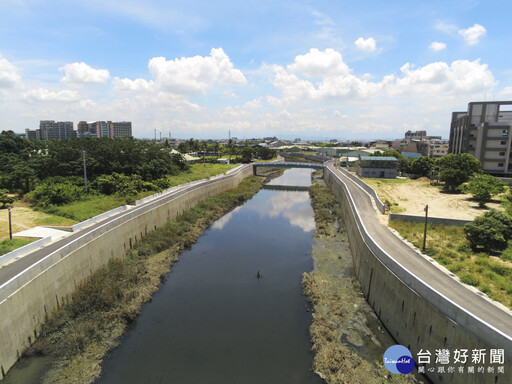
[488, 311]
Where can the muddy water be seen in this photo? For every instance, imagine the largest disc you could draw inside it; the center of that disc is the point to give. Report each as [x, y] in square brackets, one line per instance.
[214, 321]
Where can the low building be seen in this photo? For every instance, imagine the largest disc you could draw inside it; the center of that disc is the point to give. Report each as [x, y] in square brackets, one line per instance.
[384, 167]
[438, 148]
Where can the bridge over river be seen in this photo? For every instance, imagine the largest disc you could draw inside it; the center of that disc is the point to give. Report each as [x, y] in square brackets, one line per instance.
[285, 164]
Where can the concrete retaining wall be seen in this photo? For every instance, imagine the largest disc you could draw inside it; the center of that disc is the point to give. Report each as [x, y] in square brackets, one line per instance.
[28, 298]
[417, 316]
[431, 220]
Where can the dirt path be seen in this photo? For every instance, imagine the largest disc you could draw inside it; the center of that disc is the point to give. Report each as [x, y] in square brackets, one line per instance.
[411, 196]
[23, 217]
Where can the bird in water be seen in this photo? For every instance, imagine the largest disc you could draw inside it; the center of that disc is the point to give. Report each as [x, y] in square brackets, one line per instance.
[259, 275]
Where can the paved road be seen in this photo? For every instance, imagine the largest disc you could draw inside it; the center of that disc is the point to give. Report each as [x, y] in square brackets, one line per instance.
[18, 266]
[421, 267]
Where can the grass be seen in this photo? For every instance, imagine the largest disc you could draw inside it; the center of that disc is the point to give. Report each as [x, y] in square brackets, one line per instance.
[7, 246]
[91, 206]
[376, 181]
[448, 246]
[200, 171]
[80, 333]
[94, 205]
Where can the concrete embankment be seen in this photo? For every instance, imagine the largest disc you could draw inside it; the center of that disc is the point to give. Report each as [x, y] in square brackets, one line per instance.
[419, 318]
[28, 298]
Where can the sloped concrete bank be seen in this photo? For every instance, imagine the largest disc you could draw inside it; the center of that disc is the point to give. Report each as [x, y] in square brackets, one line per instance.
[28, 298]
[419, 318]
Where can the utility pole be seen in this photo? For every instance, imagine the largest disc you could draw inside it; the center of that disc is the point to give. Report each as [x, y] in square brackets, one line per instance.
[425, 230]
[10, 226]
[85, 170]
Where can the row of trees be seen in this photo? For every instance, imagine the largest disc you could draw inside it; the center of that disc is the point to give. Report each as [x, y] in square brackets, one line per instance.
[53, 168]
[51, 172]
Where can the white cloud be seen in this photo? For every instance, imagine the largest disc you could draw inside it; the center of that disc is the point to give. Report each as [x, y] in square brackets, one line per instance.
[195, 74]
[137, 85]
[459, 77]
[42, 94]
[367, 45]
[254, 104]
[437, 46]
[446, 27]
[473, 34]
[80, 73]
[320, 64]
[8, 74]
[433, 80]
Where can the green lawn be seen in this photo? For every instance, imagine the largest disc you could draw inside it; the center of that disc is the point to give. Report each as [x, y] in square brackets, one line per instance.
[10, 245]
[96, 204]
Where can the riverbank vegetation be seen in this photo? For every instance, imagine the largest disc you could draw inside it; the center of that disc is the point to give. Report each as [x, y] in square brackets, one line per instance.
[449, 247]
[81, 332]
[348, 340]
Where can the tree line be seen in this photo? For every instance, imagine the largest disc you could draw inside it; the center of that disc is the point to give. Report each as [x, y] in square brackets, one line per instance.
[55, 168]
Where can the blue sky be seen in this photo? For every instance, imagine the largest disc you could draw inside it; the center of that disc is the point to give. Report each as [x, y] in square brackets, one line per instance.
[309, 69]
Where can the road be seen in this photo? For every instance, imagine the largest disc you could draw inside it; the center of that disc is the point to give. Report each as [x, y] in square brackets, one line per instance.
[421, 267]
[11, 270]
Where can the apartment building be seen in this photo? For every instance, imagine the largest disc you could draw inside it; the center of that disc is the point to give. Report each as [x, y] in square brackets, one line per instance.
[438, 148]
[484, 131]
[105, 129]
[52, 130]
[60, 130]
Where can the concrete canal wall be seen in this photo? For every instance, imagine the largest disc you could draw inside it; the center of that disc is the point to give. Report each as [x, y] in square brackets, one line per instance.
[28, 298]
[417, 318]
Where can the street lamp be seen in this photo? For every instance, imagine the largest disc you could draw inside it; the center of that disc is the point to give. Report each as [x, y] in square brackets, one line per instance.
[425, 230]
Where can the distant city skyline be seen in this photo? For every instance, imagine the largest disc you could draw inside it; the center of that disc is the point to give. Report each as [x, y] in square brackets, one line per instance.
[315, 70]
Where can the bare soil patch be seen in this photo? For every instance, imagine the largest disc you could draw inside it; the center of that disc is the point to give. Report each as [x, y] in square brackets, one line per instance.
[411, 196]
[24, 217]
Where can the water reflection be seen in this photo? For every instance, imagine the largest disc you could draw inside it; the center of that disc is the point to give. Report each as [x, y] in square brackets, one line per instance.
[213, 321]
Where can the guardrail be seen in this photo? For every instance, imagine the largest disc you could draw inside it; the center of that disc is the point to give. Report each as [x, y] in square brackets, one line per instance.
[448, 307]
[16, 282]
[7, 257]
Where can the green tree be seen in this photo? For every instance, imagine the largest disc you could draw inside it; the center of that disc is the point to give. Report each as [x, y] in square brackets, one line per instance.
[264, 153]
[55, 193]
[490, 231]
[247, 154]
[483, 187]
[457, 169]
[422, 166]
[392, 152]
[4, 198]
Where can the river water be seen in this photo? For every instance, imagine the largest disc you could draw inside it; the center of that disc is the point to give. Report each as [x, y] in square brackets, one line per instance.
[213, 320]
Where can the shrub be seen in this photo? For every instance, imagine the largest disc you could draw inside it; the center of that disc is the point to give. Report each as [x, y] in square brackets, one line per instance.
[483, 187]
[468, 278]
[490, 231]
[55, 194]
[4, 199]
